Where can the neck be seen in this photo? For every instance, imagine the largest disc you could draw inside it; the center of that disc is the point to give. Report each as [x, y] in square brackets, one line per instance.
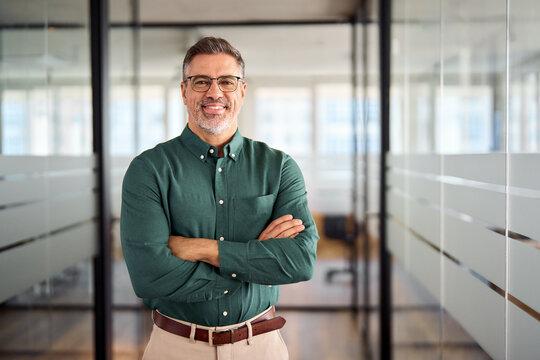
[217, 140]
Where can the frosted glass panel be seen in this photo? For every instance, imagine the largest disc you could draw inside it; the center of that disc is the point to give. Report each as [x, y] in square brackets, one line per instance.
[424, 264]
[523, 334]
[425, 163]
[72, 246]
[31, 265]
[524, 181]
[396, 205]
[478, 309]
[424, 220]
[478, 167]
[397, 180]
[483, 205]
[523, 219]
[523, 270]
[464, 171]
[396, 240]
[424, 188]
[477, 247]
[525, 170]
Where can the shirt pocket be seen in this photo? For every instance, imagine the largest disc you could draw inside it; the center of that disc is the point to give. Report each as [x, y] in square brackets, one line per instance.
[251, 216]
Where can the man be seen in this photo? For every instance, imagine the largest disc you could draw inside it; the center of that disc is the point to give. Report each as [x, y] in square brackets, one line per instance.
[211, 221]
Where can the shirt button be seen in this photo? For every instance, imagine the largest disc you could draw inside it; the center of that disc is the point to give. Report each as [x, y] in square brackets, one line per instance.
[226, 292]
[220, 202]
[220, 169]
[202, 157]
[225, 313]
[233, 275]
[221, 238]
[233, 155]
[211, 151]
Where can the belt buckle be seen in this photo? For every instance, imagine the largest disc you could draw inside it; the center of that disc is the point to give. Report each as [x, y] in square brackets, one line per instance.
[224, 331]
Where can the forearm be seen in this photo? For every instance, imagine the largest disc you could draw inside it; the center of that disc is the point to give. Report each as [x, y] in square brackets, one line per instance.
[195, 249]
[156, 273]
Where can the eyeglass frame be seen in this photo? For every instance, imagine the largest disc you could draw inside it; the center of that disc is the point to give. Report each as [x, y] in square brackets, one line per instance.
[238, 80]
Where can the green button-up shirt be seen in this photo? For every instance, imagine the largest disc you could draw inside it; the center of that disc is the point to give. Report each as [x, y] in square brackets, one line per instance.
[181, 187]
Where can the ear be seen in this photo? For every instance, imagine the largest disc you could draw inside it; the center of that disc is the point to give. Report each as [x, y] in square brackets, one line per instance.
[243, 89]
[183, 87]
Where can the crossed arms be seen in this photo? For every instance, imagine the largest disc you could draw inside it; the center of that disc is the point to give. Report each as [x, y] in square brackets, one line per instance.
[207, 250]
[185, 269]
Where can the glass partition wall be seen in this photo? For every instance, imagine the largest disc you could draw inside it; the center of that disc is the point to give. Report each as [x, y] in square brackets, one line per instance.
[463, 179]
[47, 182]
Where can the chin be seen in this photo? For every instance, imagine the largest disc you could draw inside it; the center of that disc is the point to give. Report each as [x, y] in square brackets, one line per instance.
[214, 128]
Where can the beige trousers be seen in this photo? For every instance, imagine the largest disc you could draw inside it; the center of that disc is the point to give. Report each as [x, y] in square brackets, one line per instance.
[164, 346]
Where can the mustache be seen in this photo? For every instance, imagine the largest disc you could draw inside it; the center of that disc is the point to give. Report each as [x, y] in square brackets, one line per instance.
[210, 101]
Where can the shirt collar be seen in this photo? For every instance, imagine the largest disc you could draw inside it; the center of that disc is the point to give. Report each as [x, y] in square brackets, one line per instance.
[203, 150]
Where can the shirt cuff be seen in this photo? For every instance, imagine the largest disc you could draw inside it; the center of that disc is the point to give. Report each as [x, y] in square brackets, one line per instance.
[233, 260]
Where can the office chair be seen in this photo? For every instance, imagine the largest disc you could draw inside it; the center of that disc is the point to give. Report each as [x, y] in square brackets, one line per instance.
[335, 228]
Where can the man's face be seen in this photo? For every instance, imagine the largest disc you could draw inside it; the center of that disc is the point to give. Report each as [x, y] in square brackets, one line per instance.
[213, 111]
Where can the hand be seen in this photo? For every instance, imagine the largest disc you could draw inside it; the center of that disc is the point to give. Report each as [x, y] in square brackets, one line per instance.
[283, 227]
[195, 249]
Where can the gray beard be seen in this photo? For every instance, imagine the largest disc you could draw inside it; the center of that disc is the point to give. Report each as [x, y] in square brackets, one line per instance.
[215, 125]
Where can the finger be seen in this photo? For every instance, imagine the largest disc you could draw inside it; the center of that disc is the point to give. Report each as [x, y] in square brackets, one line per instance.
[290, 237]
[291, 231]
[280, 220]
[283, 227]
[273, 224]
[286, 226]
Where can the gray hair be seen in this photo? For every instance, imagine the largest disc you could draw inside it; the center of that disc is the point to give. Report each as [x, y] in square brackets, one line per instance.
[211, 46]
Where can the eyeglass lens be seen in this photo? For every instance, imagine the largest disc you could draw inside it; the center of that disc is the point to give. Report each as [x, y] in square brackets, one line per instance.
[203, 83]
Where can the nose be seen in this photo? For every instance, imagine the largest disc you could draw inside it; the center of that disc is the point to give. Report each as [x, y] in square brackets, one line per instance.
[214, 92]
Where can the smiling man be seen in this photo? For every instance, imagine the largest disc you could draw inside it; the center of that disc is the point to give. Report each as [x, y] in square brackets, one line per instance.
[212, 221]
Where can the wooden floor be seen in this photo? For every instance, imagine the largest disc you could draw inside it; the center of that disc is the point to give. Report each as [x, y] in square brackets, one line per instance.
[322, 336]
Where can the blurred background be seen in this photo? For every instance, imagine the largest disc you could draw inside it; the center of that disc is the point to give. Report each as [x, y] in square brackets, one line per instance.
[428, 252]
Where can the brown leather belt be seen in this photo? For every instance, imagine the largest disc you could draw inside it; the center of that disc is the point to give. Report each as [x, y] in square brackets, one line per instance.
[263, 324]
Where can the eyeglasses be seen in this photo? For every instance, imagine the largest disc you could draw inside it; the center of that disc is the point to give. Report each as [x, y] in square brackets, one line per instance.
[226, 83]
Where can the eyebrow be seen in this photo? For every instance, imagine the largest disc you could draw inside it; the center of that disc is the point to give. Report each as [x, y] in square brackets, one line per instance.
[237, 76]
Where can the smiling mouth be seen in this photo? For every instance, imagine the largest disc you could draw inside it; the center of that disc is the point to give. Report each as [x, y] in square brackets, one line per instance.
[214, 108]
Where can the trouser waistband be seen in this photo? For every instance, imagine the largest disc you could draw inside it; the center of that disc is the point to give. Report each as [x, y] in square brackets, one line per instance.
[260, 324]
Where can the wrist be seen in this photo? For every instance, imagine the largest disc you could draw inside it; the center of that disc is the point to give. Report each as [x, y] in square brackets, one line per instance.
[210, 252]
